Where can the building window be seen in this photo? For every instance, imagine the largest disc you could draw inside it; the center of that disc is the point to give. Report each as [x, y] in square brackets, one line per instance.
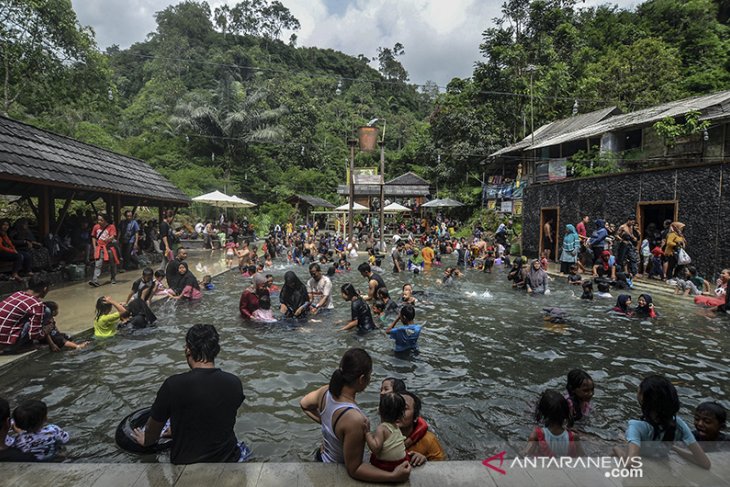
[632, 139]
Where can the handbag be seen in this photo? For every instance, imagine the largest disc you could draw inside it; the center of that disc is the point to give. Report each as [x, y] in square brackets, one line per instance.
[683, 257]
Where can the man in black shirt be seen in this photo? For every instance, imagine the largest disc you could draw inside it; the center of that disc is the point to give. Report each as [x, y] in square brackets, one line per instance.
[201, 405]
[143, 288]
[375, 282]
[9, 453]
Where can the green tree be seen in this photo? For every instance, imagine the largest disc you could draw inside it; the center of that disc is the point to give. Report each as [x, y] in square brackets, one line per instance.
[228, 122]
[388, 62]
[38, 39]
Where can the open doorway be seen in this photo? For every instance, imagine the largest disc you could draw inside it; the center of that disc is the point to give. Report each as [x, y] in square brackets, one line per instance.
[651, 216]
[549, 224]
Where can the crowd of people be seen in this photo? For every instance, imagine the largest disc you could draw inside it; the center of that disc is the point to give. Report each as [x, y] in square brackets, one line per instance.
[615, 256]
[402, 440]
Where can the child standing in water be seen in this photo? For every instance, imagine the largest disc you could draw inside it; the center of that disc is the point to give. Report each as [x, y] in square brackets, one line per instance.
[578, 393]
[406, 336]
[264, 313]
[391, 384]
[710, 419]
[387, 445]
[33, 435]
[574, 277]
[551, 439]
[231, 247]
[659, 426]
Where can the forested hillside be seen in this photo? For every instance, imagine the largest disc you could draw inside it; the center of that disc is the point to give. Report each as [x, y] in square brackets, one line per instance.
[216, 99]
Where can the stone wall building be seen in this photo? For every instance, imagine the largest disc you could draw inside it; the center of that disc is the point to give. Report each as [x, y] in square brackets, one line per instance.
[684, 179]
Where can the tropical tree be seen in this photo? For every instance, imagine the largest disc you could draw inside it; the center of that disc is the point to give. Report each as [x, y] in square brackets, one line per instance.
[227, 121]
[38, 39]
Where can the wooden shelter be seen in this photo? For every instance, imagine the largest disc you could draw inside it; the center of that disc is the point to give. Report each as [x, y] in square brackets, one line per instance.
[38, 163]
[408, 185]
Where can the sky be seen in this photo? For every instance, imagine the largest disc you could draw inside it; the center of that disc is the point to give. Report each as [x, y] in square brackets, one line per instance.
[441, 37]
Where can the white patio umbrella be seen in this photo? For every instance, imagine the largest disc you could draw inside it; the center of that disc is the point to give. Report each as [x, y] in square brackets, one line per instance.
[216, 198]
[242, 203]
[355, 207]
[395, 207]
[222, 200]
[442, 203]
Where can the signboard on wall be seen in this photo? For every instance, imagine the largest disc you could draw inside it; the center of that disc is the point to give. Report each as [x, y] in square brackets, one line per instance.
[517, 207]
[506, 207]
[492, 204]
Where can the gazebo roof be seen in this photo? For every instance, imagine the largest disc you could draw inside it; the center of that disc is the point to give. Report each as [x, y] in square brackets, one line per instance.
[35, 157]
[404, 186]
[409, 179]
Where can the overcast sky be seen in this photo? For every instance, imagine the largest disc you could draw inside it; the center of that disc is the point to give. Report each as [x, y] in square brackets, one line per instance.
[441, 37]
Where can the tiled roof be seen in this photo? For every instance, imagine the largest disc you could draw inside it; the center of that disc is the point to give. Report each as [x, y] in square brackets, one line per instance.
[35, 156]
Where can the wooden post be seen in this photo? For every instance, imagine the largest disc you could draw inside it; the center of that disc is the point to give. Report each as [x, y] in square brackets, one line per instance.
[382, 193]
[44, 218]
[117, 209]
[64, 212]
[350, 222]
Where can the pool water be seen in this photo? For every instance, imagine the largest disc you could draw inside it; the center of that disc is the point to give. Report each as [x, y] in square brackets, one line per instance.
[485, 355]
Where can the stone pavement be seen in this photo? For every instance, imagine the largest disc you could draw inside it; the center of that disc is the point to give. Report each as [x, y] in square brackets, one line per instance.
[77, 301]
[674, 472]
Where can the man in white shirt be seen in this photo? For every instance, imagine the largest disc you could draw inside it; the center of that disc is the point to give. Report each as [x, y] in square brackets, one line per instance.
[320, 290]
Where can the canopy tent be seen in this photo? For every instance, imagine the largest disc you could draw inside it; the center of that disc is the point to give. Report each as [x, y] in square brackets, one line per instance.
[442, 203]
[395, 207]
[355, 207]
[222, 200]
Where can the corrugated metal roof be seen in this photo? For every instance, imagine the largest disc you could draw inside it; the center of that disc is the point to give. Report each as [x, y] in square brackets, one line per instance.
[713, 106]
[48, 158]
[559, 127]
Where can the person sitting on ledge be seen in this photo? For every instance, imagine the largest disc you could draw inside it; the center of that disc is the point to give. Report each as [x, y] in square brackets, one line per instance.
[201, 405]
[334, 407]
[21, 316]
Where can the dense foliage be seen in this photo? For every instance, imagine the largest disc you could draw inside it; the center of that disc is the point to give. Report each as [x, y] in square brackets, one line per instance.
[215, 99]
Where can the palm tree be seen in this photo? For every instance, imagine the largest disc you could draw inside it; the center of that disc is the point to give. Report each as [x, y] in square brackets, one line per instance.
[231, 119]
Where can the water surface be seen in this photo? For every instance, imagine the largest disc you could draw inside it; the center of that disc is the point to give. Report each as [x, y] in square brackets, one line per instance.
[486, 354]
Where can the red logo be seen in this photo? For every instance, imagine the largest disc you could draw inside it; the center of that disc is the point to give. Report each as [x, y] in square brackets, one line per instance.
[498, 456]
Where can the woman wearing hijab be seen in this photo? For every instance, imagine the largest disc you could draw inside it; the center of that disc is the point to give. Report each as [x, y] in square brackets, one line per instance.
[622, 305]
[645, 307]
[249, 301]
[675, 241]
[537, 279]
[186, 286]
[604, 267]
[294, 296]
[517, 273]
[571, 246]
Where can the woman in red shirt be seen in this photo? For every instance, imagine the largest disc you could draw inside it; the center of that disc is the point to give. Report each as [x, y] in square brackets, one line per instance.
[103, 235]
[8, 252]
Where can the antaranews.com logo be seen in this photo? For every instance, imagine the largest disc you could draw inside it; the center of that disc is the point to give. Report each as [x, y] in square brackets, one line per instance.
[613, 467]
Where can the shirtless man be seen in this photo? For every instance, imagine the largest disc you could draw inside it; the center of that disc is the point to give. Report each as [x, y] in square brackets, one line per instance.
[547, 238]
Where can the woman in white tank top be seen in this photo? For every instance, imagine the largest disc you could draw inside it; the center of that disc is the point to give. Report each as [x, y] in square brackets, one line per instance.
[335, 408]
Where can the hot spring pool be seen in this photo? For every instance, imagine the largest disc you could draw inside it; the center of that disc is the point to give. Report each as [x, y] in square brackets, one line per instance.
[485, 356]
